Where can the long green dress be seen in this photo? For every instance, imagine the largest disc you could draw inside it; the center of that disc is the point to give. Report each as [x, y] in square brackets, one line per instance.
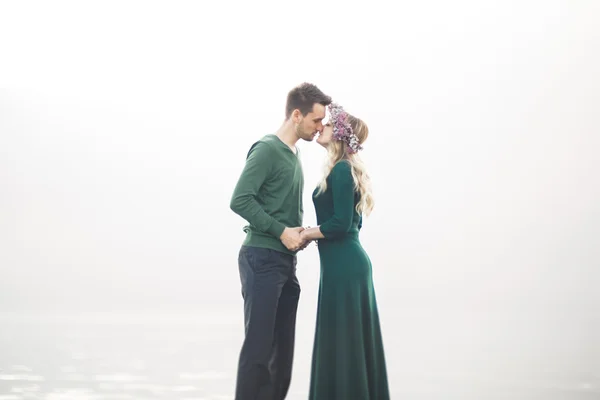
[348, 356]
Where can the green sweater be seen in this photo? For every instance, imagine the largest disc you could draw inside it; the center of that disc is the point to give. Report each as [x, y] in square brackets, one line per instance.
[268, 194]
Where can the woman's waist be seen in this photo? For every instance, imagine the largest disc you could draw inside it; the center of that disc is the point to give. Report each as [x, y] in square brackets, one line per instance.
[347, 246]
[348, 237]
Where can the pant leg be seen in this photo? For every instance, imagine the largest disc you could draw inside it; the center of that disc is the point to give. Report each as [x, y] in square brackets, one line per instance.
[285, 331]
[263, 278]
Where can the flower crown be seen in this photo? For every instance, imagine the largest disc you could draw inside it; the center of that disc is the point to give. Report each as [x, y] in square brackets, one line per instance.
[342, 130]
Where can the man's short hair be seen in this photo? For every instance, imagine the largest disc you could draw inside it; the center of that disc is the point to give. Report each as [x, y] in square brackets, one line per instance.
[303, 97]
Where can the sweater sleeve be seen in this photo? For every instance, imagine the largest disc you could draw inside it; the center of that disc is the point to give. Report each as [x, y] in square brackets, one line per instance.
[342, 187]
[243, 201]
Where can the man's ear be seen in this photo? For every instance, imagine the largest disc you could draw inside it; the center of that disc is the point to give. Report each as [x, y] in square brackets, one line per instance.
[296, 116]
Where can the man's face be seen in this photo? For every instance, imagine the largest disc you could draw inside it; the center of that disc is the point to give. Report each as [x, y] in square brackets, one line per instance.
[309, 125]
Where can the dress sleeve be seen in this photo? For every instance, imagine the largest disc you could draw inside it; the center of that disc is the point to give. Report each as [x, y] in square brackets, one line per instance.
[342, 187]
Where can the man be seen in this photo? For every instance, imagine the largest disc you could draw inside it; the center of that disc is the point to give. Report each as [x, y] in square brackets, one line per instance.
[268, 195]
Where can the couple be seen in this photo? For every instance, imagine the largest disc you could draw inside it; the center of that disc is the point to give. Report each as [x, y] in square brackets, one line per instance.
[348, 359]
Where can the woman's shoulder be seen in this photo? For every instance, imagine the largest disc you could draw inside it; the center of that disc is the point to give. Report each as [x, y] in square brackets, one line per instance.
[342, 170]
[342, 166]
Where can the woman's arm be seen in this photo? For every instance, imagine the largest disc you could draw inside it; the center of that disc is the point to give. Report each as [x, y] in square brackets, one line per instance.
[310, 234]
[342, 189]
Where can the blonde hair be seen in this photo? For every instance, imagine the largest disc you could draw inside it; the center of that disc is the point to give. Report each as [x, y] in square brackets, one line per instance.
[338, 151]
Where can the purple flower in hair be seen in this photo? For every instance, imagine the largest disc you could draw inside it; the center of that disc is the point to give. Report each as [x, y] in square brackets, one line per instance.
[342, 130]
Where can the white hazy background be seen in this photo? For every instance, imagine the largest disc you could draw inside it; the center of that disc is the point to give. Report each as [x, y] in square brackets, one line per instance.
[124, 127]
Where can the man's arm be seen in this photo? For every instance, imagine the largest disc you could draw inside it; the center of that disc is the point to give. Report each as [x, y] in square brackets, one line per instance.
[243, 201]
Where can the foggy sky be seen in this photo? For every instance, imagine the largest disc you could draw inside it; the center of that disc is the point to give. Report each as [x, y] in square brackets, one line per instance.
[123, 130]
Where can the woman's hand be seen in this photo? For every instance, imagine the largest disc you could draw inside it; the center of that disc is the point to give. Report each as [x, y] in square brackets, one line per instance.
[311, 235]
[303, 235]
[304, 239]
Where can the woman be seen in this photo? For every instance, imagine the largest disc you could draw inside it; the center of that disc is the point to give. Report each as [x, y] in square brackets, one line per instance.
[348, 358]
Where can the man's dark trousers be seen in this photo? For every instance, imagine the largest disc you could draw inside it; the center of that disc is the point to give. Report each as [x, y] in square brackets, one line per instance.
[271, 291]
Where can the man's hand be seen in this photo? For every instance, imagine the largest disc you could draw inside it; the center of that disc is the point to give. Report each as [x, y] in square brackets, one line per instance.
[305, 244]
[291, 238]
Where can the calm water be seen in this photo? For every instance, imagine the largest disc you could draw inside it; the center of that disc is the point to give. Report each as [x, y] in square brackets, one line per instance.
[189, 357]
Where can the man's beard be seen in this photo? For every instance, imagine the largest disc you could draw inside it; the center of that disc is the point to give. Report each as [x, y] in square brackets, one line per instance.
[301, 134]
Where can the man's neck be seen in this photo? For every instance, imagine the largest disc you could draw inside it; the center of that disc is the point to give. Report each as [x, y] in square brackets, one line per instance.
[287, 135]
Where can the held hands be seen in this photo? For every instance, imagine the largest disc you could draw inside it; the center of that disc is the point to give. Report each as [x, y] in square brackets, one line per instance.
[295, 239]
[305, 238]
[291, 238]
[309, 235]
